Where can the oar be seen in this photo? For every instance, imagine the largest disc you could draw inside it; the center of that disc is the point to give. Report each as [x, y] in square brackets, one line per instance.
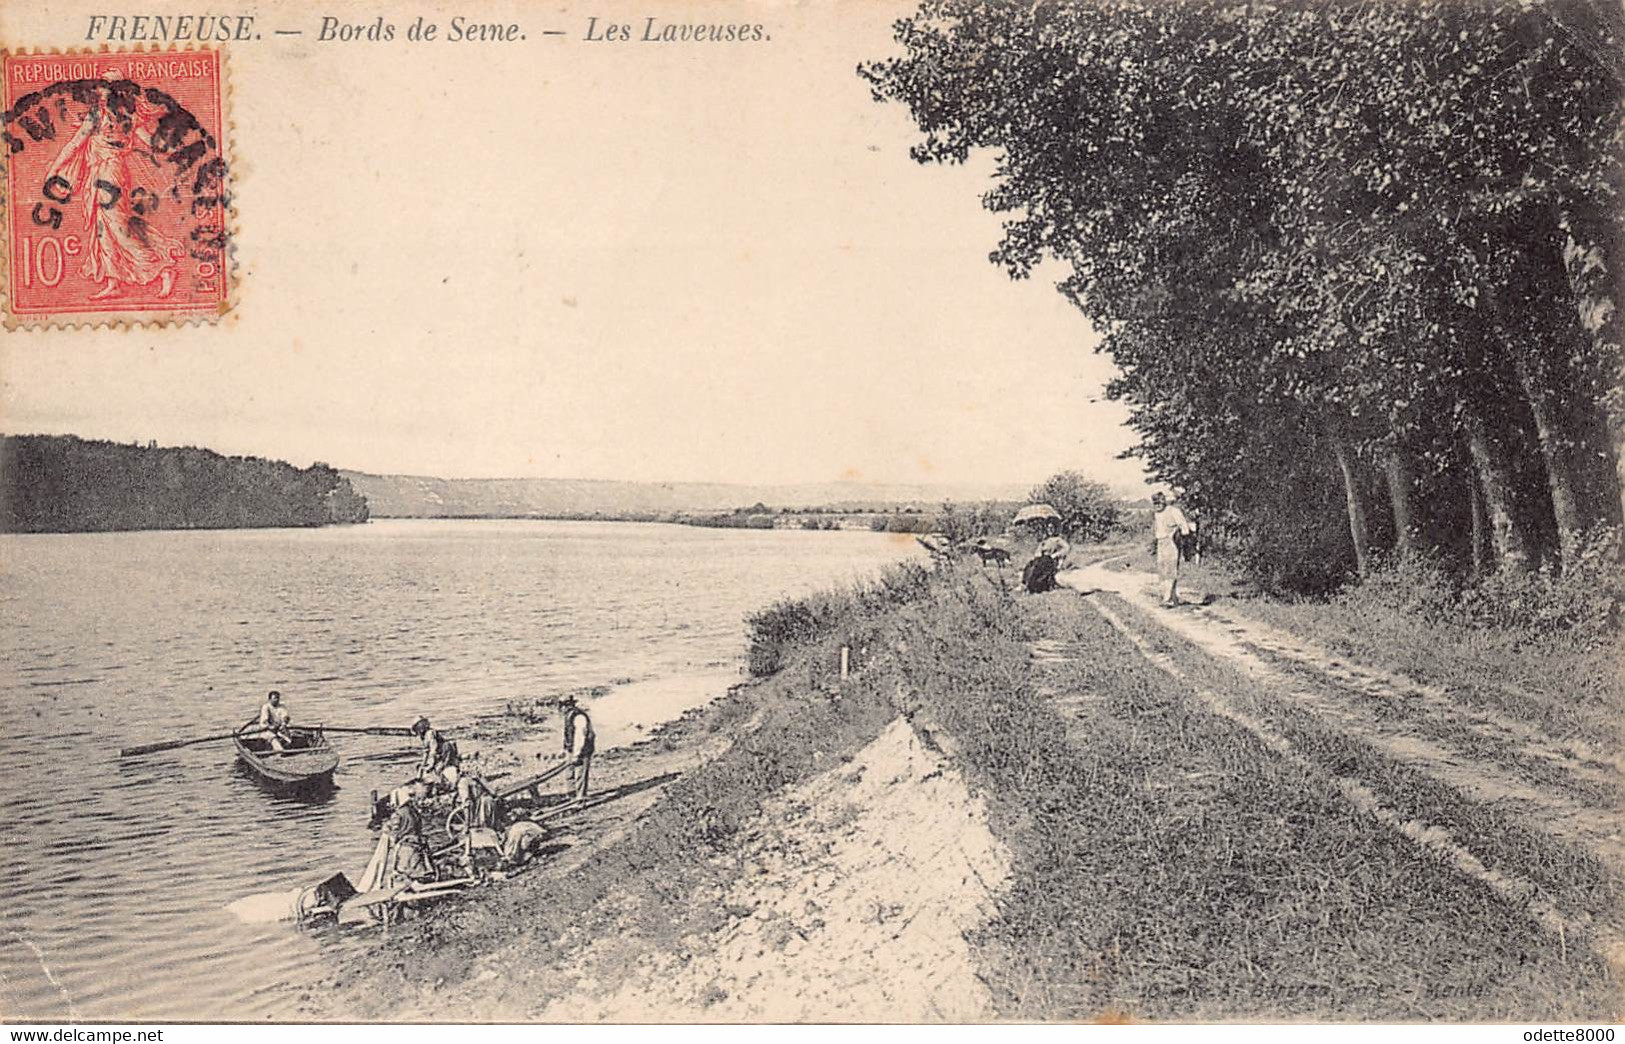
[531, 782]
[373, 730]
[151, 748]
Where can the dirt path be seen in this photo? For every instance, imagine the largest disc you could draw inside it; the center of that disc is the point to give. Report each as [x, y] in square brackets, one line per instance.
[1557, 789]
[849, 901]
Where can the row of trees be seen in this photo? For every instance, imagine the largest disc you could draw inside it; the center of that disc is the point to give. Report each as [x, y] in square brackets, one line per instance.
[60, 484]
[1357, 263]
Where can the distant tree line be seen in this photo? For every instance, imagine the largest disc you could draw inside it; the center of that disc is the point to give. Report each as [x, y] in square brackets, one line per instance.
[61, 484]
[1359, 264]
[757, 516]
[1088, 513]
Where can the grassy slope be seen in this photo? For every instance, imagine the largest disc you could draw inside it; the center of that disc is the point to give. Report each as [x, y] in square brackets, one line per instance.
[1575, 882]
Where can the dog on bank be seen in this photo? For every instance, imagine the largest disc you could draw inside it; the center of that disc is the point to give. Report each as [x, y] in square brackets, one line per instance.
[988, 553]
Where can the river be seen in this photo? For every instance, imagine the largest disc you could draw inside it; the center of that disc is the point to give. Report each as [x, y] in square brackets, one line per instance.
[115, 873]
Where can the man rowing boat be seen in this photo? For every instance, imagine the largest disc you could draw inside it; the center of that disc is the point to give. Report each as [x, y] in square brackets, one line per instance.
[274, 719]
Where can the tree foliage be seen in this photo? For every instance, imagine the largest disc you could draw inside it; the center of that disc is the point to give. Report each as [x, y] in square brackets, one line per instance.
[1087, 509]
[62, 484]
[1342, 253]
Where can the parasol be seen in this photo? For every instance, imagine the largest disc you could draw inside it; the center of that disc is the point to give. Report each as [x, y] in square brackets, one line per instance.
[1034, 512]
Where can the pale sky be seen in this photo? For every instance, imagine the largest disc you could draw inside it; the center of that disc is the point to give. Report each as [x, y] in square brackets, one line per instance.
[563, 258]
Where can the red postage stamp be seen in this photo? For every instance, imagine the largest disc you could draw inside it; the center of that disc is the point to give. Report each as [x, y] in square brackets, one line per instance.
[116, 203]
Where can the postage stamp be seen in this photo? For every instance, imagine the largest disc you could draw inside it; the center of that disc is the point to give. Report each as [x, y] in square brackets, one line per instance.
[116, 202]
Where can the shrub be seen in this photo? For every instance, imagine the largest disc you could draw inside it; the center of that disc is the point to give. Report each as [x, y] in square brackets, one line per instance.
[852, 612]
[1086, 507]
[1578, 605]
[961, 523]
[1419, 586]
[907, 522]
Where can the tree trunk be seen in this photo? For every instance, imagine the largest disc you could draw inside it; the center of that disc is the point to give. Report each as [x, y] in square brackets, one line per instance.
[1396, 469]
[1617, 440]
[1591, 249]
[1557, 453]
[1495, 479]
[1359, 531]
[1481, 565]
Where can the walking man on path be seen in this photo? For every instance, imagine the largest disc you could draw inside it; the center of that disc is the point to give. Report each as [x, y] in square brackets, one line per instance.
[1167, 521]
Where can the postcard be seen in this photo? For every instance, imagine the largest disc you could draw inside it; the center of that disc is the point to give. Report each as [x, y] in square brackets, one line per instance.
[862, 511]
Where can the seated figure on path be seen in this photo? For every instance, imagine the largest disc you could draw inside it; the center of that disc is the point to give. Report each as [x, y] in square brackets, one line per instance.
[1038, 575]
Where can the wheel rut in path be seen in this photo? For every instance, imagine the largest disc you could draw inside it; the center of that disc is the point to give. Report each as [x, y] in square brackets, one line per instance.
[1335, 700]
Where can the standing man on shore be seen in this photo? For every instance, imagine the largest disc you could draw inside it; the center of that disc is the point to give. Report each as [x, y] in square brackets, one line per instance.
[579, 744]
[1166, 522]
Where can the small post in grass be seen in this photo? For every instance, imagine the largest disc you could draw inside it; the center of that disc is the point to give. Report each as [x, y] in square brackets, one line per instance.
[846, 661]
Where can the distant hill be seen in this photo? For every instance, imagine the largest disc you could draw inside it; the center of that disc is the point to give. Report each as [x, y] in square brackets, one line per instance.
[413, 496]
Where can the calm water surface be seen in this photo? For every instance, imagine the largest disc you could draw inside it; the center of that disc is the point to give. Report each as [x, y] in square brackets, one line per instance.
[114, 874]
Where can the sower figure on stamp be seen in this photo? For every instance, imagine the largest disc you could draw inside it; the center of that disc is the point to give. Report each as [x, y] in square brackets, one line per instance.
[104, 168]
[1167, 521]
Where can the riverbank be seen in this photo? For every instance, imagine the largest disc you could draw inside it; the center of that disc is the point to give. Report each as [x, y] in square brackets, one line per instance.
[1061, 806]
[629, 873]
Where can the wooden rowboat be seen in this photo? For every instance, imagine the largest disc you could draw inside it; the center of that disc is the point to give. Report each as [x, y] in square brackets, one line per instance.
[309, 761]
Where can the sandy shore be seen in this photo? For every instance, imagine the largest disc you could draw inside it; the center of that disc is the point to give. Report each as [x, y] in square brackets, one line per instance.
[850, 899]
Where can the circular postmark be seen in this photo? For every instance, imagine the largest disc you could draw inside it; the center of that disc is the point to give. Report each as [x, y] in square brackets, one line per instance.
[116, 188]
